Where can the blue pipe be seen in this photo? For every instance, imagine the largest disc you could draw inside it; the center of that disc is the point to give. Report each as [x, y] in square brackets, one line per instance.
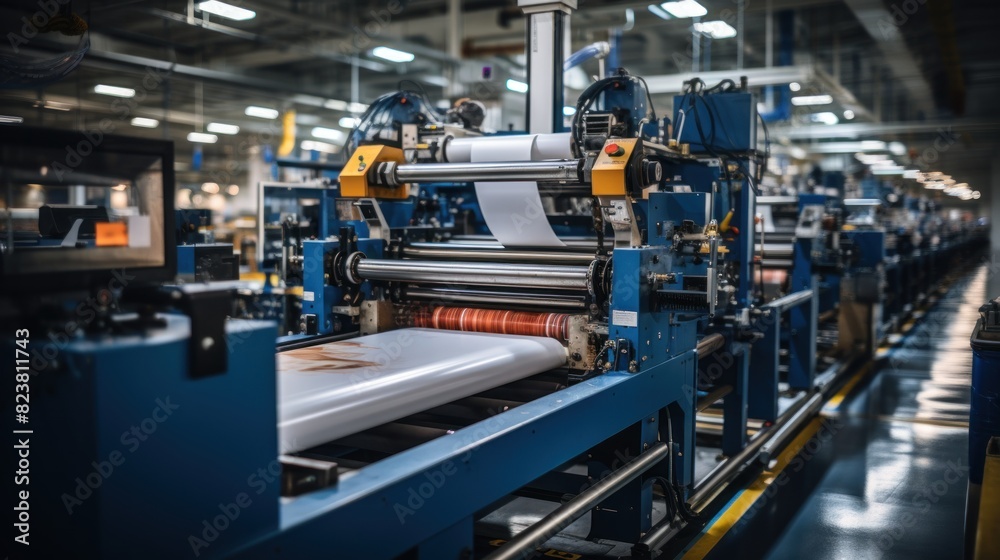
[599, 49]
[786, 47]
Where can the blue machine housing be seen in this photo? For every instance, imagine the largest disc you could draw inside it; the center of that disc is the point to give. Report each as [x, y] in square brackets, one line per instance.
[158, 454]
[717, 123]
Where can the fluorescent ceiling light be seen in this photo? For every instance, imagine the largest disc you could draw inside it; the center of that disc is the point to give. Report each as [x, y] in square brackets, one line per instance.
[843, 148]
[222, 128]
[797, 152]
[114, 91]
[849, 114]
[806, 100]
[872, 145]
[684, 9]
[202, 138]
[329, 134]
[716, 29]
[349, 122]
[233, 190]
[210, 188]
[569, 111]
[10, 119]
[659, 12]
[825, 118]
[911, 174]
[439, 81]
[392, 55]
[227, 11]
[897, 148]
[340, 105]
[313, 145]
[261, 112]
[795, 86]
[143, 122]
[514, 85]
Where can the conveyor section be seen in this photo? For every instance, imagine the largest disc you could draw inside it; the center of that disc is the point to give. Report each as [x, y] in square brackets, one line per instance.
[332, 390]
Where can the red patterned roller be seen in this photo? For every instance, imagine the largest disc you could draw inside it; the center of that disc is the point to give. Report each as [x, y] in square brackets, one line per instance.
[552, 325]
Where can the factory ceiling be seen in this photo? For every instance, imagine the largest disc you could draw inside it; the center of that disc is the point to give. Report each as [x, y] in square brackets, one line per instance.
[919, 72]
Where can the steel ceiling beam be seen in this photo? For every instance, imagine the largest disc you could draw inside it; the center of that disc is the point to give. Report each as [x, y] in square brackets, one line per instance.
[882, 28]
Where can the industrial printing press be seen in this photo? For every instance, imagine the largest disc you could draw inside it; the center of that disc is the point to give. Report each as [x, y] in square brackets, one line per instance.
[494, 322]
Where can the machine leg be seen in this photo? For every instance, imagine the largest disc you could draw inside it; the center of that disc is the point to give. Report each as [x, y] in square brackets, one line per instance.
[626, 514]
[802, 344]
[734, 407]
[762, 392]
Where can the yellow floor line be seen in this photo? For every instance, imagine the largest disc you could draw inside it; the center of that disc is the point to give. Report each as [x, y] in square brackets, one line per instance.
[748, 497]
[927, 421]
[838, 398]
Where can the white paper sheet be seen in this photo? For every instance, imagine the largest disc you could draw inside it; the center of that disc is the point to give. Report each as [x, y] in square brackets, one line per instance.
[513, 210]
[333, 390]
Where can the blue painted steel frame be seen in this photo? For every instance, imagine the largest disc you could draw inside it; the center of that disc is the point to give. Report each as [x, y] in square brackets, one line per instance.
[428, 489]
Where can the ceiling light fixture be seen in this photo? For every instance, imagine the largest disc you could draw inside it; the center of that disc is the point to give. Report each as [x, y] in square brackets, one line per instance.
[261, 112]
[202, 138]
[227, 11]
[329, 134]
[659, 12]
[222, 128]
[716, 29]
[807, 100]
[143, 122]
[392, 55]
[114, 91]
[684, 9]
[514, 85]
[825, 118]
[349, 122]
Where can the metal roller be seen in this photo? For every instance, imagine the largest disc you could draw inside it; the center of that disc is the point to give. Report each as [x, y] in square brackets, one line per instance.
[494, 298]
[474, 274]
[776, 250]
[490, 253]
[393, 174]
[550, 325]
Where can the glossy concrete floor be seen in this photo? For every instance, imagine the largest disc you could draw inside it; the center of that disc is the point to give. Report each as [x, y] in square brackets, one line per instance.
[896, 487]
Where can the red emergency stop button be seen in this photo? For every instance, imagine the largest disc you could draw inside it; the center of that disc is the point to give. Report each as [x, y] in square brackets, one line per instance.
[614, 150]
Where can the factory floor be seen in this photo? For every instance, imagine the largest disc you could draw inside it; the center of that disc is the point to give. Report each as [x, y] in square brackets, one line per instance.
[896, 485]
[882, 474]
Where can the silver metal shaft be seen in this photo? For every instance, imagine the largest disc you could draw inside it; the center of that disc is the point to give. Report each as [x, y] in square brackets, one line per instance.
[785, 303]
[524, 544]
[448, 295]
[458, 252]
[564, 170]
[475, 274]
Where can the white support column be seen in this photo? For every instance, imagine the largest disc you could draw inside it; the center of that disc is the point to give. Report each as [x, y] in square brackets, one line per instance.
[547, 37]
[993, 282]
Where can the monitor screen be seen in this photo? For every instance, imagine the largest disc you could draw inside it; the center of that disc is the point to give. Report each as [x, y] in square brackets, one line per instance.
[78, 206]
